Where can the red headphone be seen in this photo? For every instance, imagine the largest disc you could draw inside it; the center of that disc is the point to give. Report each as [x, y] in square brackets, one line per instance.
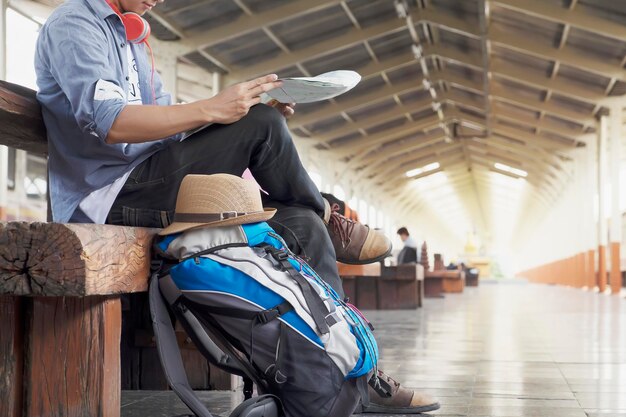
[137, 31]
[137, 28]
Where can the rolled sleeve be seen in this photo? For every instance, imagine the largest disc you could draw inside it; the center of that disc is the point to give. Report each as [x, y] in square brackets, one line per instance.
[79, 59]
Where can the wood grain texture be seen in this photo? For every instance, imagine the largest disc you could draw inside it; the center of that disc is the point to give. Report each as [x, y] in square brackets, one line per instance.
[21, 124]
[72, 367]
[55, 259]
[400, 287]
[11, 356]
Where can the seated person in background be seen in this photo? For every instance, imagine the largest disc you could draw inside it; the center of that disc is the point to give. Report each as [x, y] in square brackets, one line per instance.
[408, 254]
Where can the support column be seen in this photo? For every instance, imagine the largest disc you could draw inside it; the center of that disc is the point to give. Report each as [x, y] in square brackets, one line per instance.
[591, 172]
[217, 83]
[602, 226]
[616, 215]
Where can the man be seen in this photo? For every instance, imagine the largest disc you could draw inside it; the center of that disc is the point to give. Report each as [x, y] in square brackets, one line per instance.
[116, 154]
[408, 254]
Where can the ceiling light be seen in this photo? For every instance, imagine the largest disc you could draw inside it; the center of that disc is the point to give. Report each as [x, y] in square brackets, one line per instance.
[422, 170]
[511, 170]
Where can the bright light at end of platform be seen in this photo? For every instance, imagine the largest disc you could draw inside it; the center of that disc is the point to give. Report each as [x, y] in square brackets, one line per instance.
[515, 171]
[422, 170]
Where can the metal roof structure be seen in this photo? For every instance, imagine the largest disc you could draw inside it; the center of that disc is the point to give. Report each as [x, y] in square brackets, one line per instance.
[465, 87]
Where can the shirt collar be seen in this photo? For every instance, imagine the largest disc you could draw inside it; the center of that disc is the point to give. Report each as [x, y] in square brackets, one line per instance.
[100, 8]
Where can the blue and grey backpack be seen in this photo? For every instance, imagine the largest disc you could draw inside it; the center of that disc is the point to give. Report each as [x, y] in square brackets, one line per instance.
[255, 309]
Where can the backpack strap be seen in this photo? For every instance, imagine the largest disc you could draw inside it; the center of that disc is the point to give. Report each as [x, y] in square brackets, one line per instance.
[169, 352]
[171, 360]
[194, 329]
[316, 305]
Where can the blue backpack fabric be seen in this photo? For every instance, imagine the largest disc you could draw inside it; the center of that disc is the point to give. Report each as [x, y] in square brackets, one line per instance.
[312, 350]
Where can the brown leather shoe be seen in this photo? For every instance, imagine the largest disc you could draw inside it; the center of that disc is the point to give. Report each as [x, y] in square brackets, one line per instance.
[401, 401]
[354, 242]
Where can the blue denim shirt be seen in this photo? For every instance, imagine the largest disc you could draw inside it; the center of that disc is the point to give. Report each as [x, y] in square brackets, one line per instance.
[83, 45]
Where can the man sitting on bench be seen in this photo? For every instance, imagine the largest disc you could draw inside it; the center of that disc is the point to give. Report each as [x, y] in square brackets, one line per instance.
[116, 154]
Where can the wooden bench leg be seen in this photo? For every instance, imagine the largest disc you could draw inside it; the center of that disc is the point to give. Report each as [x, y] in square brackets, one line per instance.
[11, 356]
[72, 368]
[433, 288]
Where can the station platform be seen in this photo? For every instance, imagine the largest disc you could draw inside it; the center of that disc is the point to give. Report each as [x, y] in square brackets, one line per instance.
[504, 349]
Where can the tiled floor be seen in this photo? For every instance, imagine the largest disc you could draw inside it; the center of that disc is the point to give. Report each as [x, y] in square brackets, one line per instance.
[500, 350]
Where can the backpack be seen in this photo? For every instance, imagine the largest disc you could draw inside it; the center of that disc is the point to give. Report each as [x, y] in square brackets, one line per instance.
[255, 309]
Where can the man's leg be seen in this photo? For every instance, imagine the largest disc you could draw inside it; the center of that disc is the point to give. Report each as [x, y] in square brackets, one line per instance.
[306, 235]
[260, 141]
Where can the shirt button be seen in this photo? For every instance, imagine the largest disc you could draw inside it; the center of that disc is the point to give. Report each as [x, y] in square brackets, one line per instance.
[122, 45]
[127, 78]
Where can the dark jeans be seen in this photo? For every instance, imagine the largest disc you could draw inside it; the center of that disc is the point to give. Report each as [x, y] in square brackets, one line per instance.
[259, 141]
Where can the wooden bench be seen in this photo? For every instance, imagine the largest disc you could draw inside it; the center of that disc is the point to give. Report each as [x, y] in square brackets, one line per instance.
[471, 277]
[444, 281]
[376, 287]
[60, 315]
[441, 280]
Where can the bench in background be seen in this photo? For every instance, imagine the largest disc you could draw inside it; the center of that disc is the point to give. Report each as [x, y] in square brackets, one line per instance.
[376, 287]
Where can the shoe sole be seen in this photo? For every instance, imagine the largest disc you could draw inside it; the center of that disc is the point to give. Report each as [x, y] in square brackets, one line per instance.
[379, 409]
[368, 261]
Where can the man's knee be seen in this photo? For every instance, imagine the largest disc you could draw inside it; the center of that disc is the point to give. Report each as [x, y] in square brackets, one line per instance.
[303, 230]
[265, 117]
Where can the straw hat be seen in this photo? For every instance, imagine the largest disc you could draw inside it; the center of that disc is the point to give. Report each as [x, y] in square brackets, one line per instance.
[217, 200]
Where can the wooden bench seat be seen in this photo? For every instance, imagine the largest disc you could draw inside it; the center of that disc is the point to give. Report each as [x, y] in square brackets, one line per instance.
[443, 281]
[376, 287]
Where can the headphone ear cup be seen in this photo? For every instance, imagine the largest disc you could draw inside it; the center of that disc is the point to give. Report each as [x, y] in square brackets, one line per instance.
[137, 28]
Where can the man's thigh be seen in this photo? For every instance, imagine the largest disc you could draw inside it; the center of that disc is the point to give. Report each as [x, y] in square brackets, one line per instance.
[148, 197]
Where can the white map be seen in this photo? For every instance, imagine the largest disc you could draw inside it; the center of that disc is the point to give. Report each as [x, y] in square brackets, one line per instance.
[310, 89]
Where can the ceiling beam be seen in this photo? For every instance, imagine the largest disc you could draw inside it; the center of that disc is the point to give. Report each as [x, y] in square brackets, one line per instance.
[540, 48]
[525, 137]
[393, 179]
[551, 108]
[250, 23]
[524, 151]
[514, 159]
[416, 160]
[503, 112]
[349, 38]
[350, 148]
[382, 155]
[540, 183]
[499, 93]
[526, 76]
[576, 18]
[548, 125]
[391, 113]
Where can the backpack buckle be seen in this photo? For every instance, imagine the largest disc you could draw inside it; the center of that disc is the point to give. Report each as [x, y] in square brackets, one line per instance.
[155, 265]
[266, 316]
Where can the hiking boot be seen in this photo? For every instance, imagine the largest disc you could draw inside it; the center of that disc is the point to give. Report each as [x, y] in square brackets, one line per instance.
[354, 242]
[401, 401]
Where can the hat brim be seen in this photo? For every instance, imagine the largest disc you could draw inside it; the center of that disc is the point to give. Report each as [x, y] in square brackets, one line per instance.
[178, 227]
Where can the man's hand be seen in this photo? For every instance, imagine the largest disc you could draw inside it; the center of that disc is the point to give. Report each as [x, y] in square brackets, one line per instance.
[234, 102]
[286, 109]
